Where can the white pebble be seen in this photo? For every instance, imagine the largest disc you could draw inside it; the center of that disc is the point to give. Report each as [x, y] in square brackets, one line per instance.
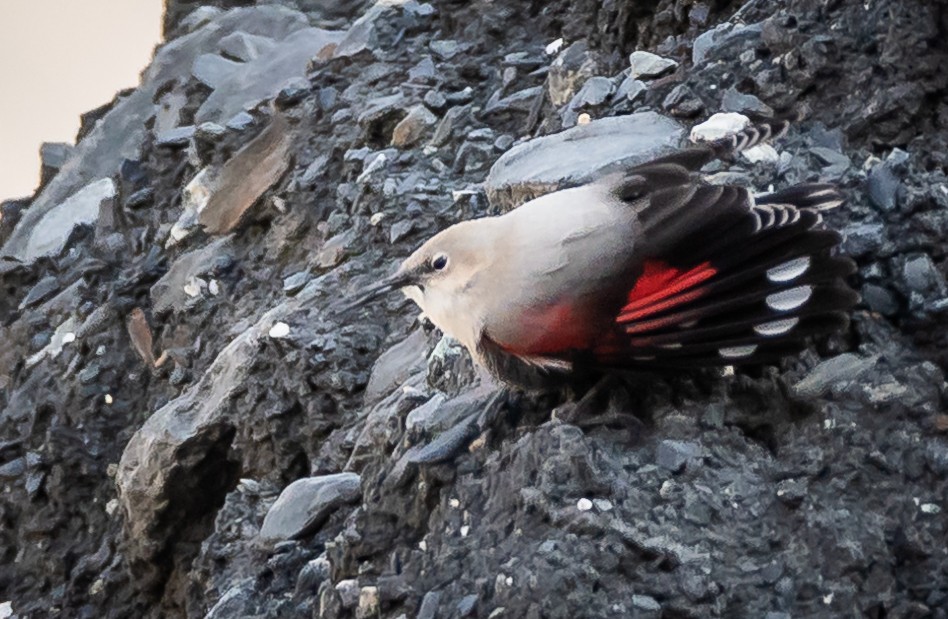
[584, 505]
[455, 503]
[719, 126]
[69, 338]
[584, 119]
[554, 47]
[376, 219]
[465, 530]
[108, 398]
[213, 287]
[930, 508]
[279, 330]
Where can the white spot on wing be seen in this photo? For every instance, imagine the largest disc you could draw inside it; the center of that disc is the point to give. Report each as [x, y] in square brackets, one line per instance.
[790, 270]
[791, 299]
[736, 352]
[776, 327]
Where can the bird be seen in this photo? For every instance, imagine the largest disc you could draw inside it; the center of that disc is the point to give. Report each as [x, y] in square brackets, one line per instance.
[653, 267]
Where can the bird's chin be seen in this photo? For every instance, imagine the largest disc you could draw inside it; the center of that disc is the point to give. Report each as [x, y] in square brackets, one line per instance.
[413, 293]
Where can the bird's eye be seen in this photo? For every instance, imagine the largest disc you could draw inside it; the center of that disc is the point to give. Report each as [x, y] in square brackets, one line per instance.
[439, 261]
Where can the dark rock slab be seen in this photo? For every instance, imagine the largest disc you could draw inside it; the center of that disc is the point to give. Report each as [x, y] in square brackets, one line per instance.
[306, 503]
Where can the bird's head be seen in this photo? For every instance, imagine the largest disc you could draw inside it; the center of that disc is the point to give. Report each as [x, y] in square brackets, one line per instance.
[438, 275]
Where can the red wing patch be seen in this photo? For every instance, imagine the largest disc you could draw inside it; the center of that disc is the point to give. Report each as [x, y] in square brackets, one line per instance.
[658, 282]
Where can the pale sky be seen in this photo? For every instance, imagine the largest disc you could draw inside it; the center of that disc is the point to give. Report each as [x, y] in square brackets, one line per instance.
[58, 59]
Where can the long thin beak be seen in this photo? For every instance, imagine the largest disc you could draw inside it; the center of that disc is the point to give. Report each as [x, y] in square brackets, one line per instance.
[387, 285]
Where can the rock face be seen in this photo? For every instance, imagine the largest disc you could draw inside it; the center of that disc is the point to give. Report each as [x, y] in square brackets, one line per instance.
[192, 428]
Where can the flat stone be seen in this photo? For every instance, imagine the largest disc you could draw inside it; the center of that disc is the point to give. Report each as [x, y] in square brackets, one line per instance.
[295, 282]
[578, 155]
[50, 234]
[715, 40]
[880, 300]
[631, 89]
[44, 289]
[179, 136]
[214, 70]
[245, 47]
[429, 605]
[674, 455]
[835, 372]
[53, 156]
[520, 101]
[304, 505]
[883, 187]
[264, 76]
[413, 127]
[648, 65]
[395, 365]
[446, 49]
[467, 605]
[921, 275]
[735, 101]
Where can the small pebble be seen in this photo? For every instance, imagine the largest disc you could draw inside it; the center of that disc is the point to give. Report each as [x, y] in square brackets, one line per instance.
[584, 505]
[279, 330]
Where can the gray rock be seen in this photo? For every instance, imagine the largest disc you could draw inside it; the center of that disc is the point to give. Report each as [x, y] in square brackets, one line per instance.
[245, 47]
[883, 188]
[578, 155]
[240, 121]
[179, 136]
[295, 282]
[445, 49]
[834, 373]
[920, 274]
[714, 41]
[880, 300]
[681, 101]
[44, 289]
[645, 603]
[863, 239]
[467, 605]
[264, 76]
[429, 605]
[674, 455]
[446, 127]
[293, 92]
[214, 70]
[348, 591]
[53, 156]
[49, 235]
[631, 89]
[836, 163]
[734, 101]
[395, 365]
[435, 100]
[304, 505]
[520, 101]
[595, 91]
[235, 602]
[648, 65]
[424, 71]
